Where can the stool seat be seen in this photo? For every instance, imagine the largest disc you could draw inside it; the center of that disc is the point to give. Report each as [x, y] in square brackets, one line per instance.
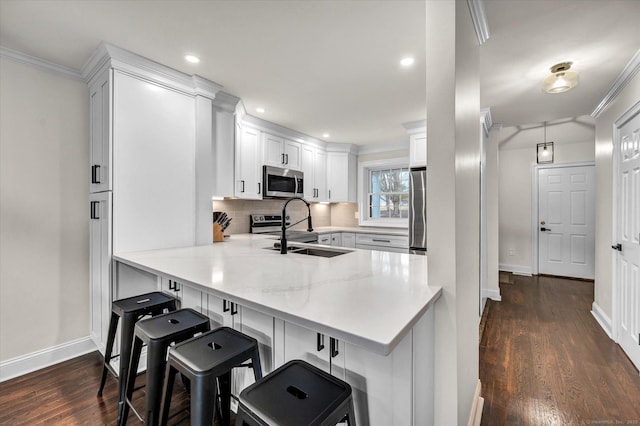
[159, 333]
[297, 394]
[203, 360]
[130, 309]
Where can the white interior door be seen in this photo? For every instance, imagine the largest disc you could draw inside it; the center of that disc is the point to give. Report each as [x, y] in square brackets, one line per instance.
[628, 237]
[566, 214]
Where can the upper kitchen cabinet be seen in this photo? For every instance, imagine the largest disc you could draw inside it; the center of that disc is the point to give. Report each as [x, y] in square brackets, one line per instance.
[100, 152]
[341, 174]
[281, 152]
[417, 131]
[314, 166]
[248, 175]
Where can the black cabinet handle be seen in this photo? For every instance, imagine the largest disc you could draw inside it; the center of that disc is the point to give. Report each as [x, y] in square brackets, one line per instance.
[234, 308]
[242, 190]
[334, 347]
[95, 172]
[329, 194]
[287, 156]
[258, 187]
[225, 306]
[380, 241]
[282, 161]
[94, 210]
[617, 247]
[171, 285]
[320, 342]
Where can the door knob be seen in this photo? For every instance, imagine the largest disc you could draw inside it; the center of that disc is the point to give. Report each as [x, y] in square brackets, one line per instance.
[545, 229]
[617, 247]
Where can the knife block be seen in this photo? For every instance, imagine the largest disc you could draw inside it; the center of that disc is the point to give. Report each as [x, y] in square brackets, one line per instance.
[218, 235]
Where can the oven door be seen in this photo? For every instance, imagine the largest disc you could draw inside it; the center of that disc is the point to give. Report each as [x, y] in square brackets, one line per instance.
[279, 183]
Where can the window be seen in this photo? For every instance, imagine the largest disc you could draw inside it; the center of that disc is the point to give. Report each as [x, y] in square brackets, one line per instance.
[385, 194]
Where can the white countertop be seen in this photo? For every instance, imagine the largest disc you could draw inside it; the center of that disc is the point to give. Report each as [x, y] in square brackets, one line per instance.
[362, 230]
[367, 298]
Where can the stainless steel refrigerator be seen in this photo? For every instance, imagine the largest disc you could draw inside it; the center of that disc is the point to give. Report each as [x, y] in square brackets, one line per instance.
[418, 211]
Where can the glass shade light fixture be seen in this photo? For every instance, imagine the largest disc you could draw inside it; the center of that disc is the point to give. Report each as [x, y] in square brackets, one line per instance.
[561, 79]
[544, 150]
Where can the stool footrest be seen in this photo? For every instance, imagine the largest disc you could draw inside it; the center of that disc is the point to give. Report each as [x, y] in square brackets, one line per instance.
[130, 404]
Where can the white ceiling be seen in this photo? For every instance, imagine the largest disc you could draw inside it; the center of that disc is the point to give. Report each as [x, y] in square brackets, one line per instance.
[333, 66]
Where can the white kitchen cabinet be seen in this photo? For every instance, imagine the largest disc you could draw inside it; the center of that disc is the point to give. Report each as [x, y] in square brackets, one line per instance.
[349, 239]
[100, 147]
[317, 349]
[313, 164]
[336, 239]
[393, 243]
[341, 177]
[248, 180]
[100, 252]
[281, 152]
[418, 150]
[188, 297]
[324, 239]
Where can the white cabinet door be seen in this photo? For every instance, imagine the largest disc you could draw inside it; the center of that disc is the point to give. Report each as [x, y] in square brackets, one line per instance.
[100, 267]
[341, 177]
[261, 327]
[248, 175]
[273, 150]
[349, 239]
[315, 348]
[320, 175]
[219, 311]
[292, 153]
[188, 297]
[418, 150]
[324, 239]
[307, 157]
[153, 162]
[100, 147]
[336, 239]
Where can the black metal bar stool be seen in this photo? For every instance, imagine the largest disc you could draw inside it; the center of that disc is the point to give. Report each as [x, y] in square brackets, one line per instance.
[130, 310]
[296, 394]
[204, 360]
[158, 333]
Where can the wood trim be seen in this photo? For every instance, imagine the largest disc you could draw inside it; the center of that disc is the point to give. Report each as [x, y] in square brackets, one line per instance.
[40, 359]
[627, 74]
[40, 64]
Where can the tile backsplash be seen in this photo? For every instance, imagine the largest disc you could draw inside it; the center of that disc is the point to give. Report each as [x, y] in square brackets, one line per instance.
[240, 210]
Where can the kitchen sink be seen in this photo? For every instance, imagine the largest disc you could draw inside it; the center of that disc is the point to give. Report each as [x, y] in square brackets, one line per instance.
[311, 251]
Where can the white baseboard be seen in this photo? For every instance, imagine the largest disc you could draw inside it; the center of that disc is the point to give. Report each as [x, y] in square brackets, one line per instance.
[21, 365]
[602, 318]
[492, 294]
[516, 269]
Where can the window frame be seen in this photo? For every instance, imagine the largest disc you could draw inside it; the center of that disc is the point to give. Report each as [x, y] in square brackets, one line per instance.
[364, 169]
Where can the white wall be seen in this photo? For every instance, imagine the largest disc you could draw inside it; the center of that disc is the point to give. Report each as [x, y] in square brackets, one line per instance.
[453, 217]
[44, 221]
[574, 140]
[604, 197]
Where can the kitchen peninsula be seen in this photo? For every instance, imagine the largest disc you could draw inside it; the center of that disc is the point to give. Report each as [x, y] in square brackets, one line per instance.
[364, 316]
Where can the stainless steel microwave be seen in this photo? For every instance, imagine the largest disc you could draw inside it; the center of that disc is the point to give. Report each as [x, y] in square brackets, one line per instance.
[282, 183]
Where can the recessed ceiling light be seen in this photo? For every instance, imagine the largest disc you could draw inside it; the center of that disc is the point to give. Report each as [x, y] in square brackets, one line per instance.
[260, 110]
[325, 135]
[192, 58]
[407, 62]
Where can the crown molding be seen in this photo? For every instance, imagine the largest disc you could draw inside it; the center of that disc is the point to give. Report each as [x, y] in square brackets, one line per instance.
[479, 18]
[485, 120]
[342, 147]
[40, 64]
[627, 74]
[226, 102]
[387, 147]
[413, 127]
[276, 129]
[108, 55]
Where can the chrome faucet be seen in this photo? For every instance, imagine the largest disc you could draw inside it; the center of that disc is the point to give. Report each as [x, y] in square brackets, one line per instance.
[283, 238]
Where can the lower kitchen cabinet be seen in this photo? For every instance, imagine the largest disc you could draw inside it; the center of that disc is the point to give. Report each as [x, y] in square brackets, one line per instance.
[336, 239]
[349, 239]
[100, 252]
[315, 348]
[188, 297]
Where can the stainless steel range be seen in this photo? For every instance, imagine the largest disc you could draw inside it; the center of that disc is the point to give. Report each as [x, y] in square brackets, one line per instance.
[271, 224]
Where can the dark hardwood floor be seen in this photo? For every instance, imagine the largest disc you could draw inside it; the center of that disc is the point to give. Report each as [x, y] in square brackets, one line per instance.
[544, 360]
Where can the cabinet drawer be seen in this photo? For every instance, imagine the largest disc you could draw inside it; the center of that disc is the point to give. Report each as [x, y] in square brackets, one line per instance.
[397, 241]
[324, 239]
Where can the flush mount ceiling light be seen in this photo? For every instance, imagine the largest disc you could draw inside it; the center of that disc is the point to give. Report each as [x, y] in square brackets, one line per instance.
[192, 59]
[260, 110]
[325, 135]
[407, 62]
[544, 150]
[561, 79]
